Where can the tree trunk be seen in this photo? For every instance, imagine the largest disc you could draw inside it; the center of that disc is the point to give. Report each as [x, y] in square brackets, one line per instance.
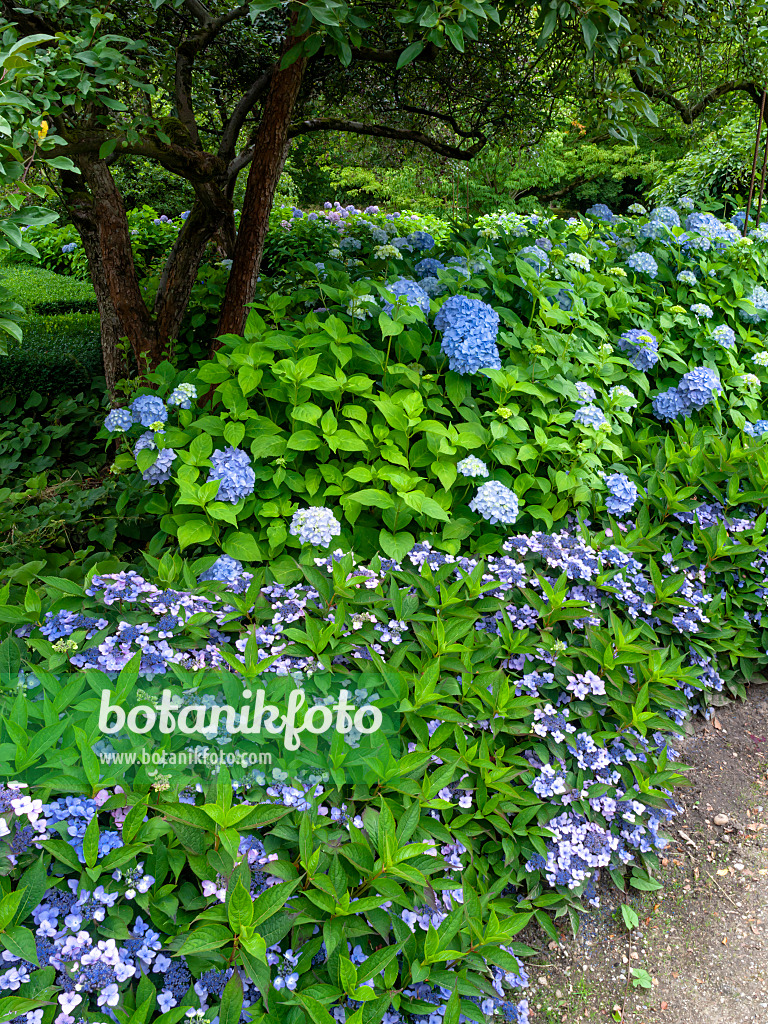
[270, 154]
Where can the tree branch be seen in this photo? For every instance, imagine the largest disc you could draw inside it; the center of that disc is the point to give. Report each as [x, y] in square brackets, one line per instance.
[242, 110]
[690, 111]
[381, 131]
[186, 53]
[192, 164]
[374, 56]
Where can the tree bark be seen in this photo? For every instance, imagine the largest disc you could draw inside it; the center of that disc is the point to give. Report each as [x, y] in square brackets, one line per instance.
[270, 153]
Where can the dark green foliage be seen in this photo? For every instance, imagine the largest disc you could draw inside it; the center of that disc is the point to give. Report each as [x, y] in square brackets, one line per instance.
[40, 291]
[59, 354]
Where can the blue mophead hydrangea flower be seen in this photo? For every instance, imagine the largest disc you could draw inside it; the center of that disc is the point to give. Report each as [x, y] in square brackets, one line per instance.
[687, 277]
[118, 420]
[225, 569]
[666, 215]
[622, 494]
[315, 525]
[411, 292]
[421, 241]
[759, 299]
[564, 300]
[428, 267]
[756, 429]
[182, 396]
[702, 309]
[148, 409]
[160, 471]
[601, 212]
[496, 503]
[590, 416]
[469, 334]
[724, 336]
[685, 203]
[643, 263]
[699, 386]
[534, 257]
[620, 391]
[642, 347]
[69, 247]
[472, 466]
[652, 229]
[670, 404]
[232, 467]
[433, 287]
[738, 219]
[586, 393]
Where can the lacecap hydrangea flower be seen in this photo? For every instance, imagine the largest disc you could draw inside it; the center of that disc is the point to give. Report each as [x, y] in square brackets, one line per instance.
[643, 263]
[759, 299]
[590, 416]
[148, 409]
[496, 503]
[622, 494]
[724, 335]
[118, 420]
[469, 334]
[409, 292]
[232, 467]
[472, 466]
[687, 277]
[315, 525]
[702, 309]
[642, 347]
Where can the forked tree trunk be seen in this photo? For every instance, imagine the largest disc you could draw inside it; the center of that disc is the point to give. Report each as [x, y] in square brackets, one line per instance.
[270, 153]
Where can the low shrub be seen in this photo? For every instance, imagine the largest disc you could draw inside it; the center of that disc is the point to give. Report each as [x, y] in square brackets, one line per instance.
[44, 292]
[58, 354]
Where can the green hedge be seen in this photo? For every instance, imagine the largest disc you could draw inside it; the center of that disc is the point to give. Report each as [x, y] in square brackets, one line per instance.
[41, 291]
[58, 354]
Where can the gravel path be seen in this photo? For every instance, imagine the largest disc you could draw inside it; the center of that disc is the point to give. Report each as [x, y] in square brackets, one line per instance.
[703, 938]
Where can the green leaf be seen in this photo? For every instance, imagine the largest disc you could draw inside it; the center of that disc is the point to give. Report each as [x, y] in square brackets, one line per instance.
[409, 53]
[240, 908]
[21, 942]
[197, 531]
[231, 1000]
[205, 938]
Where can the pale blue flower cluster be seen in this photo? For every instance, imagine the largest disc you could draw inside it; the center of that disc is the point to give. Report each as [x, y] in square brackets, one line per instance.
[685, 203]
[759, 299]
[182, 396]
[160, 471]
[472, 466]
[601, 212]
[643, 263]
[642, 346]
[652, 229]
[590, 416]
[620, 391]
[586, 393]
[232, 467]
[148, 409]
[421, 240]
[702, 309]
[118, 420]
[428, 267]
[724, 335]
[412, 293]
[469, 334]
[669, 404]
[315, 525]
[534, 257]
[687, 277]
[69, 247]
[696, 389]
[622, 494]
[756, 429]
[225, 569]
[667, 216]
[637, 208]
[496, 503]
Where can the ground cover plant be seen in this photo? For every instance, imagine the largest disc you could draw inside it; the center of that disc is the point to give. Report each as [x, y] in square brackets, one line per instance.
[511, 483]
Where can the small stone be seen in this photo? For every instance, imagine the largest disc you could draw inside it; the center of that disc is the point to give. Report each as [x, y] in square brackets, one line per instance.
[558, 993]
[721, 819]
[543, 980]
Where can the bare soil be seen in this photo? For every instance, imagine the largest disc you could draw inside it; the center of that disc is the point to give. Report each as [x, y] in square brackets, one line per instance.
[702, 938]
